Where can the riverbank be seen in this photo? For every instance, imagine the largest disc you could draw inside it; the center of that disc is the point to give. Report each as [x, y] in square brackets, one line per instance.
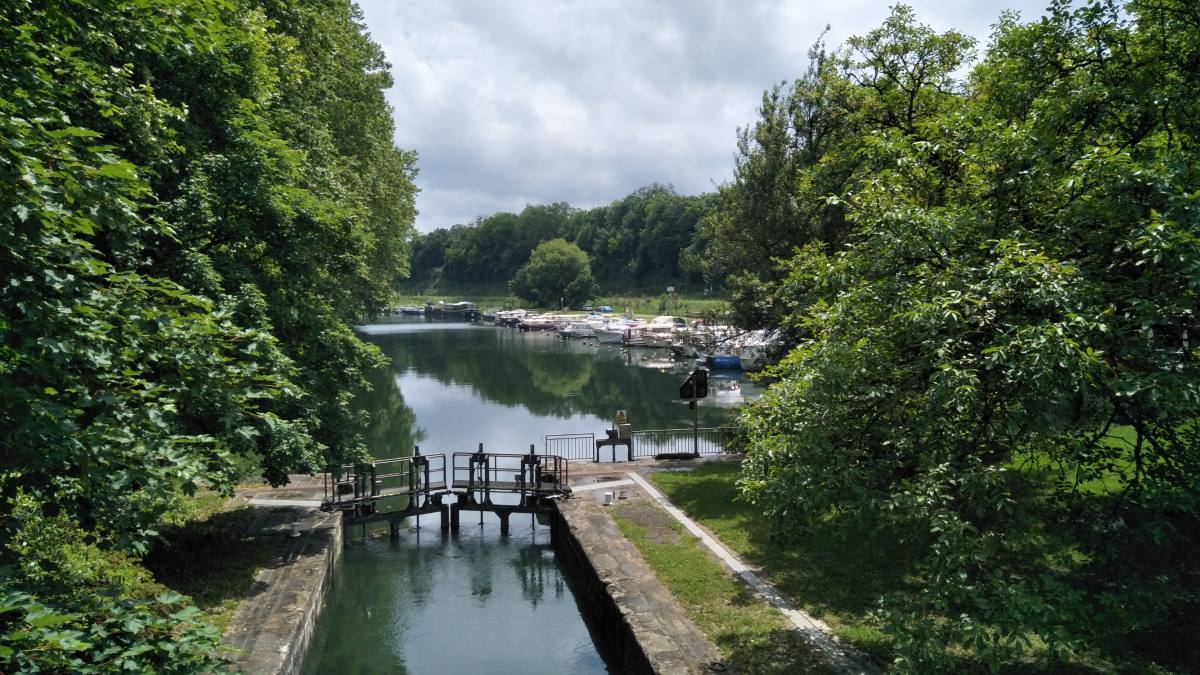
[732, 613]
[645, 306]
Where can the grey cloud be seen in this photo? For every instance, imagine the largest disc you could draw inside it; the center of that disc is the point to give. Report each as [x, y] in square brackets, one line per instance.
[509, 103]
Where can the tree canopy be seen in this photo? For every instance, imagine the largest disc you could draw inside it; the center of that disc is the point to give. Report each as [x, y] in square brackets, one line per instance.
[201, 197]
[997, 358]
[639, 241]
[557, 274]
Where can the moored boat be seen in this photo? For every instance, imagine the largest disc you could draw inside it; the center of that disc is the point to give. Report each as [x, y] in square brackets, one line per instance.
[537, 322]
[578, 329]
[510, 317]
[616, 332]
[453, 311]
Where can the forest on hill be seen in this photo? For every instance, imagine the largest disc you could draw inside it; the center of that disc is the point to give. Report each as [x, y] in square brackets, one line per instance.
[644, 240]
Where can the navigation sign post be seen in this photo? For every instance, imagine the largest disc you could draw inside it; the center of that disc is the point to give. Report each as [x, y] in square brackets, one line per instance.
[693, 389]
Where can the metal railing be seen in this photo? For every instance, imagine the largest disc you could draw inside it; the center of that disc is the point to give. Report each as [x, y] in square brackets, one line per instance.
[412, 477]
[704, 441]
[570, 446]
[482, 473]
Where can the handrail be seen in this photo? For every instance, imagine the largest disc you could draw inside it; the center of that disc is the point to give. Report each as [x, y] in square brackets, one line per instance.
[704, 441]
[569, 446]
[353, 484]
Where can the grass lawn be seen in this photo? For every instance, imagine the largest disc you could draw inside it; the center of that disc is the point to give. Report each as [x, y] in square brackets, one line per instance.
[206, 554]
[839, 588]
[839, 575]
[754, 637]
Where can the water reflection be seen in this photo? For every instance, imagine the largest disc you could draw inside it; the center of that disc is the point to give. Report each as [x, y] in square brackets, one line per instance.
[509, 388]
[471, 604]
[537, 569]
[477, 602]
[391, 430]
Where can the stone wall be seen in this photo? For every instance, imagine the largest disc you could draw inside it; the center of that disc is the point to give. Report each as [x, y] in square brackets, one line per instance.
[273, 627]
[636, 621]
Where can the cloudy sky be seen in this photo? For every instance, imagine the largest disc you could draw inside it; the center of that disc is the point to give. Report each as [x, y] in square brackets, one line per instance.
[584, 101]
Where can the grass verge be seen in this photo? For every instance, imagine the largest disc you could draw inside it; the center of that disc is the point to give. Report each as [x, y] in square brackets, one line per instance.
[839, 573]
[754, 637]
[839, 588]
[206, 553]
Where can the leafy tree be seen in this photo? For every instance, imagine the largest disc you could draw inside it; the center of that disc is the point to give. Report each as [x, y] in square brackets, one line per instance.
[200, 198]
[634, 242]
[807, 146]
[557, 274]
[998, 364]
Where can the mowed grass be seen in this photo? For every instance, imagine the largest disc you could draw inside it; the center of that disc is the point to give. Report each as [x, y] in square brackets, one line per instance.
[831, 579]
[754, 637]
[1109, 480]
[839, 574]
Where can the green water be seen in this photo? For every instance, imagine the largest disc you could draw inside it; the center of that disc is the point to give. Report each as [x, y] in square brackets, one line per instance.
[478, 602]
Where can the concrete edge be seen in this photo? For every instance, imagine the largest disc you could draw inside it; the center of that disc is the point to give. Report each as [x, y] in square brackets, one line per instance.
[637, 623]
[273, 626]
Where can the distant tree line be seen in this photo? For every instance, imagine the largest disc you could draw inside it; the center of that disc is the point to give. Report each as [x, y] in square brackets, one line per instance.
[641, 241]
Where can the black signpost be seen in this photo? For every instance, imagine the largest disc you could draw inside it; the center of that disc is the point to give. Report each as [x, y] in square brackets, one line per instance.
[694, 388]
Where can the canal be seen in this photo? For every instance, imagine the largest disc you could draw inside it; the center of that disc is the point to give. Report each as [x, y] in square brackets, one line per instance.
[479, 602]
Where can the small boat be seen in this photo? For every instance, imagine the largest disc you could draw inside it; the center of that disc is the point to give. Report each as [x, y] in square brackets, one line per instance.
[578, 329]
[510, 317]
[452, 311]
[748, 351]
[536, 322]
[616, 332]
[662, 331]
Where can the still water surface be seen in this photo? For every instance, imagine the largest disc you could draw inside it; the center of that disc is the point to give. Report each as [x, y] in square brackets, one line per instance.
[480, 603]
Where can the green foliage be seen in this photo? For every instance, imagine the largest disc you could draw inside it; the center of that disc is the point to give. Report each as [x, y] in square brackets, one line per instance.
[635, 242]
[200, 198]
[67, 605]
[557, 274]
[1019, 278]
[207, 553]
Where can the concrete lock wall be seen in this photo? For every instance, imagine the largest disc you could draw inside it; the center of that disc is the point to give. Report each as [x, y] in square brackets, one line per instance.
[614, 636]
[636, 623]
[273, 627]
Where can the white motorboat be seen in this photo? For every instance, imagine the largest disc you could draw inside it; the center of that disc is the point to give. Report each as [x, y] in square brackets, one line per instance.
[661, 331]
[747, 351]
[616, 332]
[578, 329]
[510, 317]
[537, 322]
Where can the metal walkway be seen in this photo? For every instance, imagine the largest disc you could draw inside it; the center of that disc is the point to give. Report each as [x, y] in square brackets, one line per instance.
[395, 489]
